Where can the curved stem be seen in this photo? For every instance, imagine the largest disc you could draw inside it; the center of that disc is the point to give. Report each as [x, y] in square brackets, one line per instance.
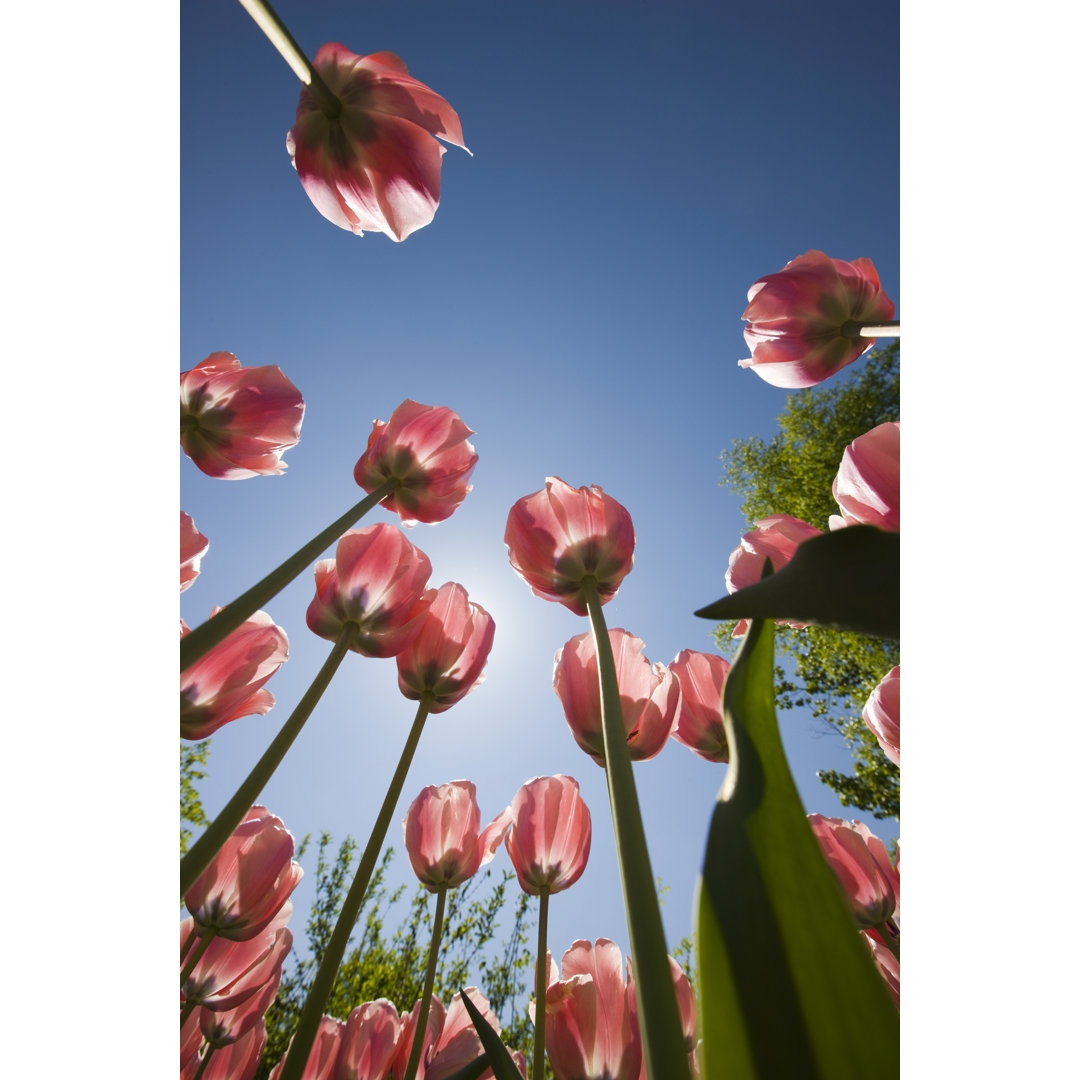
[663, 1045]
[195, 957]
[308, 1025]
[203, 638]
[220, 829]
[429, 986]
[269, 22]
[540, 988]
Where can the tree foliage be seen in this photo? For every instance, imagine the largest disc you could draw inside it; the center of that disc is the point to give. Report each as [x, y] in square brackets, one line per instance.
[192, 762]
[390, 964]
[792, 473]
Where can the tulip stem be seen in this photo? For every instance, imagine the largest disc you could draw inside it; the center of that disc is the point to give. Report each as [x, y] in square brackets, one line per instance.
[853, 329]
[890, 936]
[205, 1061]
[308, 1025]
[195, 957]
[203, 638]
[269, 22]
[541, 988]
[663, 1044]
[221, 828]
[429, 986]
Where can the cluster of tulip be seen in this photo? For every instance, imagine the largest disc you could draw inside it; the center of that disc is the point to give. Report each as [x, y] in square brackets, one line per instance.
[363, 148]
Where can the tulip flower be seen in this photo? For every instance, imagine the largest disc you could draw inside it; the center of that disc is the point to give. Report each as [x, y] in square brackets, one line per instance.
[867, 486]
[443, 837]
[193, 546]
[450, 1040]
[225, 1027]
[700, 722]
[234, 1061]
[227, 683]
[427, 448]
[445, 660]
[649, 695]
[377, 581]
[322, 1061]
[561, 536]
[684, 995]
[862, 866]
[775, 538]
[887, 962]
[882, 714]
[369, 1042]
[550, 834]
[373, 164]
[248, 881]
[230, 972]
[236, 422]
[805, 320]
[592, 1033]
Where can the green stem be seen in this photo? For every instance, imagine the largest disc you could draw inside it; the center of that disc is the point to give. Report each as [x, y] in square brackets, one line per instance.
[429, 986]
[187, 944]
[308, 1025]
[196, 956]
[221, 828]
[663, 1045]
[540, 988]
[203, 638]
[186, 1010]
[890, 936]
[271, 25]
[205, 1061]
[855, 329]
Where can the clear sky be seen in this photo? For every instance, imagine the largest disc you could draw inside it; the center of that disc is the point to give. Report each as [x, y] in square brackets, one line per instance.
[577, 301]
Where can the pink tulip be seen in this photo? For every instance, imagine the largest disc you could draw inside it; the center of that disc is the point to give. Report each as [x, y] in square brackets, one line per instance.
[775, 538]
[887, 962]
[193, 546]
[228, 681]
[445, 660]
[377, 580]
[427, 448]
[550, 834]
[700, 722]
[225, 1027]
[882, 714]
[230, 972]
[684, 997]
[648, 693]
[238, 895]
[374, 166]
[323, 1059]
[369, 1043]
[862, 866]
[558, 537]
[450, 1041]
[238, 1060]
[235, 421]
[443, 836]
[190, 1042]
[867, 487]
[799, 318]
[591, 1018]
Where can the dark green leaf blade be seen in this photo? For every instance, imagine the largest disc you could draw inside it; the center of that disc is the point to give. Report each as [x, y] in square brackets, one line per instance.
[848, 580]
[473, 1071]
[786, 987]
[502, 1064]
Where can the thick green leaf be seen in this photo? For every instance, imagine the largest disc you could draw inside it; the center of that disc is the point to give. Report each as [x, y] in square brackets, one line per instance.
[786, 986]
[502, 1064]
[848, 580]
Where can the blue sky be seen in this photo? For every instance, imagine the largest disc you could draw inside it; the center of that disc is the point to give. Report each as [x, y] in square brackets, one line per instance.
[577, 301]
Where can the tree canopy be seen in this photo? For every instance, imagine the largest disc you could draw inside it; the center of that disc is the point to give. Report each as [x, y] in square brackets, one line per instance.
[792, 473]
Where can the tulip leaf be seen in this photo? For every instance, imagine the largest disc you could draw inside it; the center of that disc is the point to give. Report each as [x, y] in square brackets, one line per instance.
[473, 1071]
[499, 1059]
[847, 580]
[786, 985]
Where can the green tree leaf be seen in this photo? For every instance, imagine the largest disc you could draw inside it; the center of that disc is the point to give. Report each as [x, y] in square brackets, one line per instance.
[786, 987]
